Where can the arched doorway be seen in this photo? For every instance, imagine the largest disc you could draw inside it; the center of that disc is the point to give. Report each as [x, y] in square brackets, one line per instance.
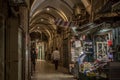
[40, 51]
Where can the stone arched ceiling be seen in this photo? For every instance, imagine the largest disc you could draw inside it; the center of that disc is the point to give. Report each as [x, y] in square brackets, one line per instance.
[44, 12]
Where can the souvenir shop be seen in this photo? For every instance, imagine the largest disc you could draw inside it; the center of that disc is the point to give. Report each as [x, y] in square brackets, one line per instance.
[76, 50]
[81, 51]
[92, 53]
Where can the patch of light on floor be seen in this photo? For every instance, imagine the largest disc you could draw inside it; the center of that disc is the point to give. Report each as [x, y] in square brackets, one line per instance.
[52, 76]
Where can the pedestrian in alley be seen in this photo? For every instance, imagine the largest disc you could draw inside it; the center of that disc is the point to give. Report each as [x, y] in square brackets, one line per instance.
[33, 59]
[56, 58]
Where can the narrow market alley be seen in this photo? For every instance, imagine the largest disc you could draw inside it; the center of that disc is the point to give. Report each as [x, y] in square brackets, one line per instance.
[59, 39]
[46, 71]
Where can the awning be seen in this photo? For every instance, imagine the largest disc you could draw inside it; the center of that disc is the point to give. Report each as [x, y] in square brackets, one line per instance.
[84, 27]
[104, 31]
[91, 28]
[76, 30]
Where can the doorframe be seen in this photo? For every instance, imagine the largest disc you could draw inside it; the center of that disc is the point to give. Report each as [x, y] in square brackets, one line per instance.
[41, 53]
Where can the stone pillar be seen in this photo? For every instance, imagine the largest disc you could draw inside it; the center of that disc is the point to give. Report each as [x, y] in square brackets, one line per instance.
[10, 63]
[2, 44]
[3, 14]
[26, 54]
[12, 49]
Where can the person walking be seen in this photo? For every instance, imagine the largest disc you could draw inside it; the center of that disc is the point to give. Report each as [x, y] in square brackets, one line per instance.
[56, 58]
[33, 59]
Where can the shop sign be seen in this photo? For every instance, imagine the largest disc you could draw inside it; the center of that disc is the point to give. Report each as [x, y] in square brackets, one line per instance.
[88, 47]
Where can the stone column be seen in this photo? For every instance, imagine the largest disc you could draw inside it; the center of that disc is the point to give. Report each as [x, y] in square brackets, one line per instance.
[12, 49]
[3, 10]
[2, 44]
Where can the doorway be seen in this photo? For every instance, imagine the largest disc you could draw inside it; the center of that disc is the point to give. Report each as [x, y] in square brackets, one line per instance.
[40, 51]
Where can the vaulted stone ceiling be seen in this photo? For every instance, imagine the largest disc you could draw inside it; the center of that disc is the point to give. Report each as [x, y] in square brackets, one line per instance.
[44, 12]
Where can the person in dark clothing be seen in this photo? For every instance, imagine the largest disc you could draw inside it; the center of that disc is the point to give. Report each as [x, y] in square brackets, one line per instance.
[33, 59]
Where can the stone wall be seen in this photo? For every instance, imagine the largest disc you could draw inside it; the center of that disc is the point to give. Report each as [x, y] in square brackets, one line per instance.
[13, 23]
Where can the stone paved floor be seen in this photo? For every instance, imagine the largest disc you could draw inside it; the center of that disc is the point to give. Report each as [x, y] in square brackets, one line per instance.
[45, 71]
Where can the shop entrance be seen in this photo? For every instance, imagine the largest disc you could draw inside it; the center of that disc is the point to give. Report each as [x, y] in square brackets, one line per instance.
[40, 51]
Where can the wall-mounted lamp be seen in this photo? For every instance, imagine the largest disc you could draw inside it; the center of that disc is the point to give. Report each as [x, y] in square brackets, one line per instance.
[38, 27]
[48, 9]
[42, 19]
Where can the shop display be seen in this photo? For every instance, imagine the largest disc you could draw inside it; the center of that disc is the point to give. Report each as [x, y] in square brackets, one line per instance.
[92, 53]
[81, 58]
[76, 49]
[88, 49]
[103, 52]
[93, 69]
[72, 54]
[103, 46]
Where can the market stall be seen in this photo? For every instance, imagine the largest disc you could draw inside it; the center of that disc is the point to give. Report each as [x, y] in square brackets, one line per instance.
[91, 52]
[103, 43]
[76, 50]
[94, 64]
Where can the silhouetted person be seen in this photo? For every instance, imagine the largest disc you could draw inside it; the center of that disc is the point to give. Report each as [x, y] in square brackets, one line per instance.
[33, 59]
[45, 55]
[56, 58]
